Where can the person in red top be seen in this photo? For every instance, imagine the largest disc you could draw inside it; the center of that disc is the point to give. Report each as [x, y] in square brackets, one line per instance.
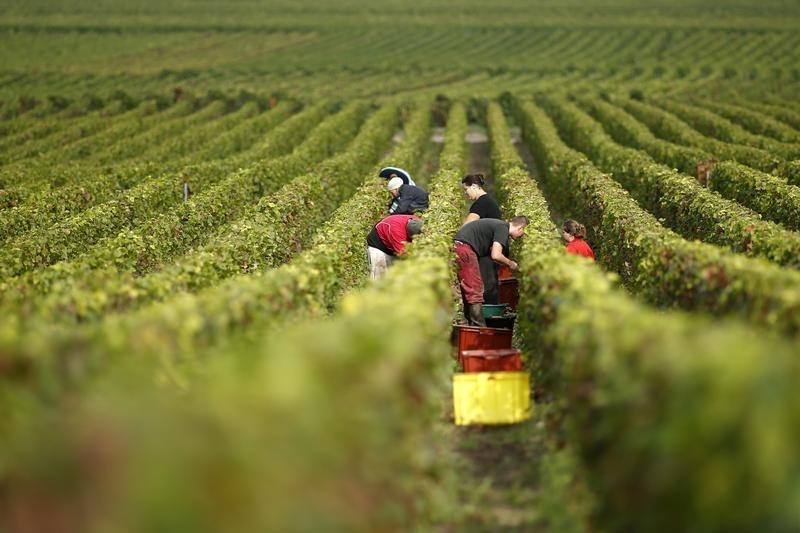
[388, 239]
[575, 234]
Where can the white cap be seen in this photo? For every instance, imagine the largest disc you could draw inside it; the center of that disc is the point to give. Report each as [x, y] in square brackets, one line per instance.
[395, 183]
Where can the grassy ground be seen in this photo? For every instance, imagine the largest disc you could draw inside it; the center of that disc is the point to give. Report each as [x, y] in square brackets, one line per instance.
[515, 477]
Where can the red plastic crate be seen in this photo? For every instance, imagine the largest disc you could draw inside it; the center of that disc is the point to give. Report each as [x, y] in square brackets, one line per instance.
[503, 360]
[503, 272]
[478, 338]
[508, 292]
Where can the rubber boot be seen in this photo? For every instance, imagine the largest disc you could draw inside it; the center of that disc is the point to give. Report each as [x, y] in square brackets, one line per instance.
[476, 315]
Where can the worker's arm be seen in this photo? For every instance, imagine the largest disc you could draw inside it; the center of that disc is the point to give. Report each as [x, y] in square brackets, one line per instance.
[402, 205]
[471, 217]
[498, 257]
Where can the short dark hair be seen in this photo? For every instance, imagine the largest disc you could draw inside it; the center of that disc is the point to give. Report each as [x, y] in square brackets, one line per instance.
[473, 179]
[520, 220]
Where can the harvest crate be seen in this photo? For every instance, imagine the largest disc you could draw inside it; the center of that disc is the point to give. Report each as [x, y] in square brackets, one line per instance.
[478, 338]
[487, 398]
[504, 360]
[508, 292]
[505, 322]
[503, 272]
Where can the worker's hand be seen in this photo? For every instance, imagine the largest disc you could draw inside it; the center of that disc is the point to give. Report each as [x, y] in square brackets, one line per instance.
[513, 266]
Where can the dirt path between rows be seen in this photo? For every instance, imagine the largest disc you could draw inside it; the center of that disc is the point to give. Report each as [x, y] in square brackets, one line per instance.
[496, 468]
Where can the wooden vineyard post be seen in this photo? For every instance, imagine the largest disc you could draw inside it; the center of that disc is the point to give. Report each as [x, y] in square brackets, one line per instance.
[704, 169]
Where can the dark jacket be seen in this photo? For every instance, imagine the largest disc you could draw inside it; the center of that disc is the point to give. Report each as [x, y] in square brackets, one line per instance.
[410, 199]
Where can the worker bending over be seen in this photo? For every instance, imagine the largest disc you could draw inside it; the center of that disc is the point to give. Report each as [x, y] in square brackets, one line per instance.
[481, 238]
[388, 239]
[406, 199]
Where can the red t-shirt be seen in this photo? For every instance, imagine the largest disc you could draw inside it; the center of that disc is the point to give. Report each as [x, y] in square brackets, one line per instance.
[579, 247]
[392, 232]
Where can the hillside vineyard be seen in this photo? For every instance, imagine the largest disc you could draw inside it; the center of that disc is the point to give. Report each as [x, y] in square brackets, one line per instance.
[189, 339]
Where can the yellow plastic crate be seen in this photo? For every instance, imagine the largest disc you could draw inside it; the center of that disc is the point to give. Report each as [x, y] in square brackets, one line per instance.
[481, 398]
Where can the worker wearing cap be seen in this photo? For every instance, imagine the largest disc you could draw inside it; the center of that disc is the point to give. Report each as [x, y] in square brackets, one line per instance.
[388, 239]
[406, 199]
[388, 173]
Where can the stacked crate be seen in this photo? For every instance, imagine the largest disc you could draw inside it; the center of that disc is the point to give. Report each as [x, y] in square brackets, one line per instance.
[492, 387]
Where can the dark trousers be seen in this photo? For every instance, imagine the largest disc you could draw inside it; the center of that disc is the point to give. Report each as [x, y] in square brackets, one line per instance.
[489, 275]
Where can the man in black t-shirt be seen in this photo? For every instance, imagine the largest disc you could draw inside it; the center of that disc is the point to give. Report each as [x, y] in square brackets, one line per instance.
[481, 238]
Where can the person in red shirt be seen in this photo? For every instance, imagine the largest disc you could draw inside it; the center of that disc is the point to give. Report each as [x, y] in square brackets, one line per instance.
[575, 234]
[388, 239]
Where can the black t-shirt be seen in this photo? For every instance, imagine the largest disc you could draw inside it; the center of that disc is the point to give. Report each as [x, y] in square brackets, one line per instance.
[480, 234]
[374, 240]
[485, 207]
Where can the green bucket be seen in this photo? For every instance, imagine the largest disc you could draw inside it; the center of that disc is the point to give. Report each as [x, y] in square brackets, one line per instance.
[494, 309]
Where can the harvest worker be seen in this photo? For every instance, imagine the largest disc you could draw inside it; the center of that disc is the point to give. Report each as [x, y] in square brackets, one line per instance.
[388, 173]
[388, 239]
[406, 198]
[481, 238]
[483, 206]
[574, 234]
